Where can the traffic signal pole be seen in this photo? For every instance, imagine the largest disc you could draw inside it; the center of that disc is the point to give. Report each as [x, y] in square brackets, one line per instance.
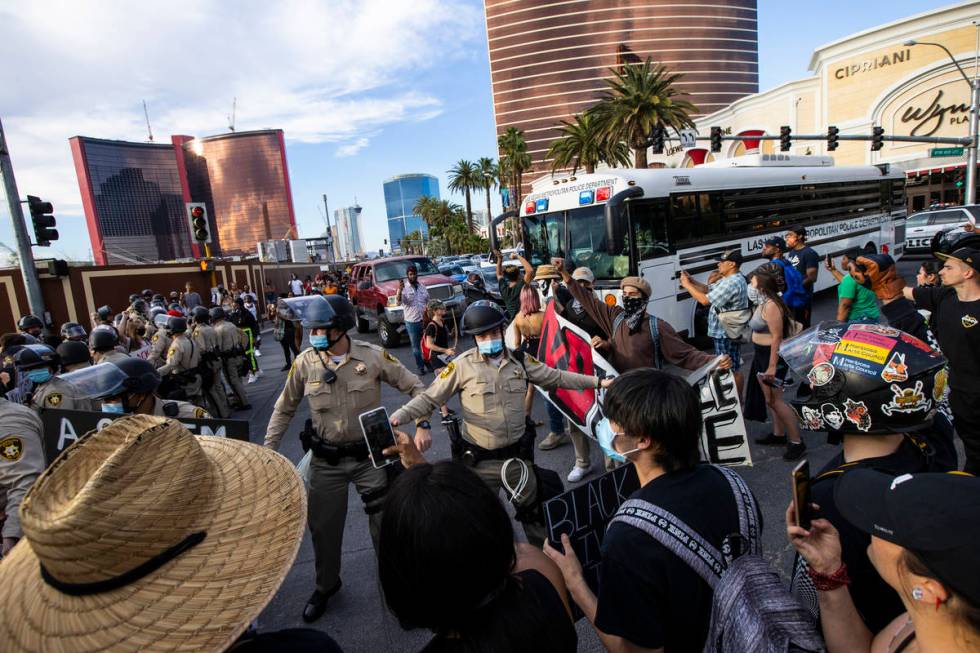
[31, 283]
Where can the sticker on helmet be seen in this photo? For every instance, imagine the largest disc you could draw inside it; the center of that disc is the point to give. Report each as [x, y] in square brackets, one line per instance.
[890, 332]
[865, 345]
[832, 416]
[812, 419]
[830, 336]
[857, 414]
[907, 400]
[939, 385]
[896, 370]
[821, 374]
[918, 344]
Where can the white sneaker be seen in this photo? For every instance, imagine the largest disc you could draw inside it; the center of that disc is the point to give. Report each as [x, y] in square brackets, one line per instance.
[257, 353]
[259, 373]
[250, 378]
[578, 473]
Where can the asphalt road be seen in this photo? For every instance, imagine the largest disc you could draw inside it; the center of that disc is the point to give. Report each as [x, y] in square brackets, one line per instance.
[357, 617]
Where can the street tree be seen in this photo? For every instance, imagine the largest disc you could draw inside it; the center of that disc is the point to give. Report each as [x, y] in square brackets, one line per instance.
[464, 177]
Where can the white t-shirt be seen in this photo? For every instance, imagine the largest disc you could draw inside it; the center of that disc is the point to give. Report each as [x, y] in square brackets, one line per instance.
[296, 286]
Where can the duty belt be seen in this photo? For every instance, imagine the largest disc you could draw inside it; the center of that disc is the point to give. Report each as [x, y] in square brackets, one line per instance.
[335, 453]
[471, 454]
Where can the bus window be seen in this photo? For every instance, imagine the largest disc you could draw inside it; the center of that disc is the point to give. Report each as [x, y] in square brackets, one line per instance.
[649, 222]
[587, 244]
[709, 205]
[545, 234]
[684, 219]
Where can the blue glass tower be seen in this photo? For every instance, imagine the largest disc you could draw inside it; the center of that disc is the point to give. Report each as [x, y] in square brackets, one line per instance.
[401, 194]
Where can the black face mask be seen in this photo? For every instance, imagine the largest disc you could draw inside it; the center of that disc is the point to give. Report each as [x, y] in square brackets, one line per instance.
[634, 304]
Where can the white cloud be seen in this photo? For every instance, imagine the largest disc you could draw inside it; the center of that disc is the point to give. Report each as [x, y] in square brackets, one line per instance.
[330, 71]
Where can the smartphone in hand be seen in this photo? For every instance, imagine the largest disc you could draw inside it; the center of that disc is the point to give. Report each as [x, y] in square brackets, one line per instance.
[378, 435]
[802, 500]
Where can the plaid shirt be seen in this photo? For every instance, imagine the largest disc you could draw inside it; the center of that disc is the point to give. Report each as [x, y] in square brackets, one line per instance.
[414, 302]
[727, 294]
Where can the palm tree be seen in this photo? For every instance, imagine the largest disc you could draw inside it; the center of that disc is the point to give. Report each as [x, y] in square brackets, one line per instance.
[583, 145]
[489, 174]
[465, 176]
[514, 160]
[640, 97]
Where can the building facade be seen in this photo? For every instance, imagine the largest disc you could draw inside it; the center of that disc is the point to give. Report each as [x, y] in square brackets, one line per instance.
[348, 243]
[872, 78]
[550, 61]
[401, 194]
[134, 194]
[133, 200]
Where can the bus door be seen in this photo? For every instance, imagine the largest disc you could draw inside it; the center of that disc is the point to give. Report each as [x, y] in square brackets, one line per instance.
[656, 260]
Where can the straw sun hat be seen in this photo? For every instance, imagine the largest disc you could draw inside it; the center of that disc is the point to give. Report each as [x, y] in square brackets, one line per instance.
[143, 537]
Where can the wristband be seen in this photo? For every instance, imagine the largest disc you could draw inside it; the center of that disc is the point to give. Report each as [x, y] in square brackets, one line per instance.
[829, 582]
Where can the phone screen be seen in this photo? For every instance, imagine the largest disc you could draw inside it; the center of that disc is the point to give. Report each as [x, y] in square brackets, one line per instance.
[378, 435]
[801, 494]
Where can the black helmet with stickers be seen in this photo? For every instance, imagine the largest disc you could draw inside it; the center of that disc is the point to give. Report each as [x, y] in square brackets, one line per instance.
[29, 322]
[482, 316]
[73, 331]
[130, 375]
[73, 352]
[864, 378]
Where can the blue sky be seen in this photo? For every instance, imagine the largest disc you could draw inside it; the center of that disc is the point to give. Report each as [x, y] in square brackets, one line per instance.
[363, 89]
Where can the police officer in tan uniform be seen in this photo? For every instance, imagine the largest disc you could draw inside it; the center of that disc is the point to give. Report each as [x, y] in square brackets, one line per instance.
[21, 462]
[341, 378]
[183, 357]
[206, 339]
[40, 362]
[103, 342]
[128, 387]
[491, 383]
[159, 342]
[231, 352]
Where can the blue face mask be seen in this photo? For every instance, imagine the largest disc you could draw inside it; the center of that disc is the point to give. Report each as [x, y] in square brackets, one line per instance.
[491, 347]
[113, 408]
[320, 342]
[606, 435]
[38, 376]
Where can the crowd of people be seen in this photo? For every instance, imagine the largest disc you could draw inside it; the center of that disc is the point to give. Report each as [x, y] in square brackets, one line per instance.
[885, 545]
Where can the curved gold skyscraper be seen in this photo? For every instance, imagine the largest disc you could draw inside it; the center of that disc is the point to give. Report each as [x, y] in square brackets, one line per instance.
[548, 58]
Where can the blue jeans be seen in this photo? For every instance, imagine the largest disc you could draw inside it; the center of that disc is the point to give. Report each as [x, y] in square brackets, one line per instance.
[415, 337]
[556, 421]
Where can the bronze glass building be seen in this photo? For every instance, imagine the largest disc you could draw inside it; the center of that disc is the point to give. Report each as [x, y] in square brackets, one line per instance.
[548, 58]
[243, 179]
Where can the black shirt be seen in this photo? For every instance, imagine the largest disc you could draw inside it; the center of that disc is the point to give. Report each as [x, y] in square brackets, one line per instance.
[647, 594]
[804, 259]
[440, 338]
[574, 313]
[511, 295]
[957, 327]
[876, 602]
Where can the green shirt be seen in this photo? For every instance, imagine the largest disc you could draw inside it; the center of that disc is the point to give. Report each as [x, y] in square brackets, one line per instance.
[511, 295]
[865, 304]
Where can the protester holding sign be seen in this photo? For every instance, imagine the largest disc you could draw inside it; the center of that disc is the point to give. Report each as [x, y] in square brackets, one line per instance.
[878, 386]
[649, 597]
[923, 534]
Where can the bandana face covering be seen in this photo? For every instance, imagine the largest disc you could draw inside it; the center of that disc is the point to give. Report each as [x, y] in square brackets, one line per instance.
[635, 308]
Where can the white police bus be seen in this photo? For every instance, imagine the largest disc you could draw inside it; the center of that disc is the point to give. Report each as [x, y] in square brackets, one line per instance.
[657, 222]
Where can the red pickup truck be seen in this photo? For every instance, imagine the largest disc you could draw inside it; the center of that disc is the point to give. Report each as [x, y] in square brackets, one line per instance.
[374, 287]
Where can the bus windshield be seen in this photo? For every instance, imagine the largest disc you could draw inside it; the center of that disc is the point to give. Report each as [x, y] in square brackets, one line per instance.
[578, 236]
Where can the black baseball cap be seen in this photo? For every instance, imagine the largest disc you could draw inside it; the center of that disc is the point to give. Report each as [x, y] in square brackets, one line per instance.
[776, 241]
[935, 516]
[733, 255]
[967, 255]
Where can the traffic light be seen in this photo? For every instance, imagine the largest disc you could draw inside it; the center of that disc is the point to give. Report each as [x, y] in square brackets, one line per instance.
[958, 177]
[658, 140]
[197, 214]
[785, 138]
[44, 222]
[833, 138]
[58, 268]
[207, 265]
[716, 139]
[877, 138]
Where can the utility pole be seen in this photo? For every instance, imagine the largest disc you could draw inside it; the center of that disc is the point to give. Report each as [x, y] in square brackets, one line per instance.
[34, 299]
[326, 216]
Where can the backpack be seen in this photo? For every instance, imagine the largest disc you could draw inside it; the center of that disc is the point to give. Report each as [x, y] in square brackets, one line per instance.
[426, 352]
[751, 610]
[658, 356]
[795, 295]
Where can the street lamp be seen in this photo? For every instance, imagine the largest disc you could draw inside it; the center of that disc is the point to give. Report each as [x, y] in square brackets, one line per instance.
[970, 196]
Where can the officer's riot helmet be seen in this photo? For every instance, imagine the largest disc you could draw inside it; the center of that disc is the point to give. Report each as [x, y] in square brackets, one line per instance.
[73, 331]
[217, 313]
[161, 320]
[177, 324]
[201, 315]
[73, 352]
[482, 316]
[132, 375]
[318, 311]
[30, 357]
[139, 306]
[133, 297]
[147, 294]
[103, 338]
[864, 378]
[104, 313]
[157, 310]
[29, 322]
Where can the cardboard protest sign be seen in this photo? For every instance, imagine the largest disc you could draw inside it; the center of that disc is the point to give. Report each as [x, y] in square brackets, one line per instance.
[584, 512]
[63, 427]
[724, 437]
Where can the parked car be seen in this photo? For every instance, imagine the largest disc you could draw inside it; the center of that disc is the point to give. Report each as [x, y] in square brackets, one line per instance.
[374, 288]
[921, 227]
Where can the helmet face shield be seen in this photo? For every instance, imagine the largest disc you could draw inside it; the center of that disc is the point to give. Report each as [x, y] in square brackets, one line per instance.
[97, 381]
[313, 311]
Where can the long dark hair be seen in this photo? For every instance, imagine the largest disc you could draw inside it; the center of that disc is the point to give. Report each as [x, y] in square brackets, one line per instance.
[768, 287]
[445, 561]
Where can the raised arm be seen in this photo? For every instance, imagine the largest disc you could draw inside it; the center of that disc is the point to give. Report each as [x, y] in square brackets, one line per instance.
[528, 269]
[601, 314]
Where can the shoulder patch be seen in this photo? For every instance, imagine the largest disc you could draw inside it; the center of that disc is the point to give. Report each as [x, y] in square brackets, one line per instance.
[200, 413]
[11, 449]
[388, 357]
[54, 399]
[446, 373]
[156, 336]
[531, 360]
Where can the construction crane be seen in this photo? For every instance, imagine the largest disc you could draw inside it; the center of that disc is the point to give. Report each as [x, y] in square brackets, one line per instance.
[146, 114]
[231, 118]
